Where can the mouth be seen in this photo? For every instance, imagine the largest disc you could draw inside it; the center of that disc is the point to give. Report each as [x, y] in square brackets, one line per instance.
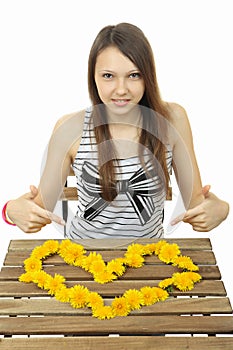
[120, 102]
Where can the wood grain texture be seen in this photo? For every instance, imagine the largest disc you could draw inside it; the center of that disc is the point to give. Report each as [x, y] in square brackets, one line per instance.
[16, 258]
[89, 325]
[26, 310]
[119, 343]
[172, 306]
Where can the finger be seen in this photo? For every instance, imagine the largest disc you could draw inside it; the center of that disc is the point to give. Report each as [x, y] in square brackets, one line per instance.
[178, 219]
[40, 217]
[200, 228]
[34, 191]
[205, 190]
[38, 221]
[192, 213]
[32, 194]
[32, 230]
[53, 217]
[188, 215]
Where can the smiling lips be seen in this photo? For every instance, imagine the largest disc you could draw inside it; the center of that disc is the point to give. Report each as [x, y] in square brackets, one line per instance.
[120, 102]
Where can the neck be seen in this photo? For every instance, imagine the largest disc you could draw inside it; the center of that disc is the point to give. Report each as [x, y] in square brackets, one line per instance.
[132, 117]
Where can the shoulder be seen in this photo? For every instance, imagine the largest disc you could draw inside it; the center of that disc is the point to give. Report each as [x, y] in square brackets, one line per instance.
[69, 120]
[177, 112]
[67, 131]
[179, 122]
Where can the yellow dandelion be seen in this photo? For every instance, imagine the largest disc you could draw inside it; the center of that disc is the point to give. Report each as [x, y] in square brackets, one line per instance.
[69, 258]
[64, 246]
[27, 277]
[53, 284]
[40, 278]
[104, 277]
[168, 282]
[88, 260]
[67, 247]
[78, 296]
[194, 276]
[158, 246]
[79, 262]
[120, 307]
[95, 300]
[97, 266]
[116, 266]
[185, 262]
[103, 312]
[168, 252]
[39, 252]
[72, 253]
[182, 281]
[135, 248]
[77, 250]
[134, 260]
[150, 249]
[32, 264]
[149, 295]
[134, 298]
[51, 246]
[63, 294]
[160, 294]
[121, 260]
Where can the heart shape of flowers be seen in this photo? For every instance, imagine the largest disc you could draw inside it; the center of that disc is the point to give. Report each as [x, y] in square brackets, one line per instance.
[79, 296]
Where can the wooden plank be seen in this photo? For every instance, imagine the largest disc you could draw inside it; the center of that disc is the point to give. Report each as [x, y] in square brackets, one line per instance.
[116, 343]
[18, 289]
[202, 257]
[147, 272]
[172, 306]
[69, 193]
[47, 314]
[117, 244]
[80, 325]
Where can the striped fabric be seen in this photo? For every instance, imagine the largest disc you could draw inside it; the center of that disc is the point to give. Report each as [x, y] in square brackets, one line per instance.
[137, 210]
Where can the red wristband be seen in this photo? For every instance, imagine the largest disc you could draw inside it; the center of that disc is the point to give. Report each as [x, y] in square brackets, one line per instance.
[4, 216]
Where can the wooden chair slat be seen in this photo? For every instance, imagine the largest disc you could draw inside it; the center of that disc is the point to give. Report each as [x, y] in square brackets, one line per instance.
[116, 244]
[16, 258]
[89, 325]
[145, 272]
[116, 343]
[69, 194]
[18, 289]
[172, 306]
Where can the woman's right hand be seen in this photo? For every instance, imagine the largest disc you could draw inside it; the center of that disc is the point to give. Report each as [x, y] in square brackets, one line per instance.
[29, 216]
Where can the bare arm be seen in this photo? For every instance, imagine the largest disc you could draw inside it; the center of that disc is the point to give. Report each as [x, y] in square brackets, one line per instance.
[33, 210]
[205, 210]
[184, 159]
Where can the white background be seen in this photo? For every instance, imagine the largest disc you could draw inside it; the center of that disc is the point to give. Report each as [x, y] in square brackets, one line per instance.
[43, 75]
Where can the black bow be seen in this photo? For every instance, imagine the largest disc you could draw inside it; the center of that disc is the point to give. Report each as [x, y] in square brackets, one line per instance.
[139, 189]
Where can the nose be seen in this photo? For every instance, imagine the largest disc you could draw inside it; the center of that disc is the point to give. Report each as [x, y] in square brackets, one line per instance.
[121, 87]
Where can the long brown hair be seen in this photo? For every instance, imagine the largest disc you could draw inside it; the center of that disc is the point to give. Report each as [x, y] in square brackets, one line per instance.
[131, 41]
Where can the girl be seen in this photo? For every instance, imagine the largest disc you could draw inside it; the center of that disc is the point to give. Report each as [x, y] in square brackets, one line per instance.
[122, 150]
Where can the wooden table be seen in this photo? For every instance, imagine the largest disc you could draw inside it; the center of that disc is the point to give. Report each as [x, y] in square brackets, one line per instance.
[199, 319]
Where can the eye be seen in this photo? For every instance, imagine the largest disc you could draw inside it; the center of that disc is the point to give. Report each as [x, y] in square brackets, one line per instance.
[135, 75]
[107, 75]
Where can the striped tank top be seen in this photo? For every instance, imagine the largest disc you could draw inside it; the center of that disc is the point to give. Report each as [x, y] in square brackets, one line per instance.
[136, 211]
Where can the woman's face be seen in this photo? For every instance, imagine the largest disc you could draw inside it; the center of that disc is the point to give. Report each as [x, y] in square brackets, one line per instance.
[119, 82]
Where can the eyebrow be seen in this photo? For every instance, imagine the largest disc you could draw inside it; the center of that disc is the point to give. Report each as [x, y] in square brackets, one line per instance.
[111, 71]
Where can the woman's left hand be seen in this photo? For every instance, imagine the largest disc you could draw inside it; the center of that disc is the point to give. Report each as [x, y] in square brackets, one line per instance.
[207, 215]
